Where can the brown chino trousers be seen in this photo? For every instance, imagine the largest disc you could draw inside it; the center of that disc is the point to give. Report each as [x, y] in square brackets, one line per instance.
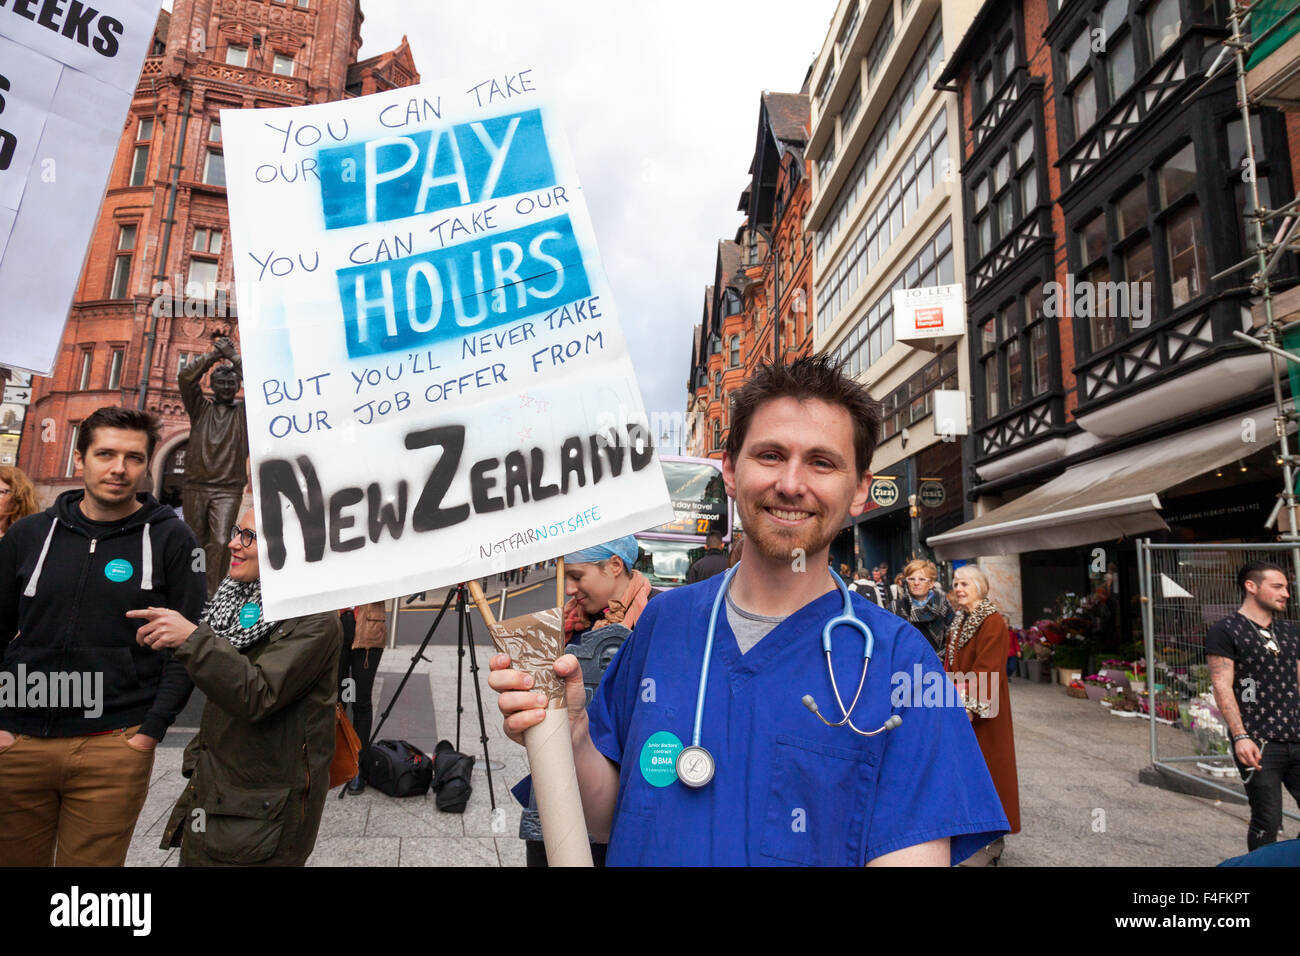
[71, 801]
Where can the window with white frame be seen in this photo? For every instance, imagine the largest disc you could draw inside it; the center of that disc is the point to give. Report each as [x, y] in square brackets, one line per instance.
[117, 358]
[911, 186]
[87, 361]
[70, 468]
[121, 284]
[1014, 354]
[140, 155]
[214, 168]
[910, 90]
[873, 334]
[1002, 197]
[1152, 231]
[1101, 60]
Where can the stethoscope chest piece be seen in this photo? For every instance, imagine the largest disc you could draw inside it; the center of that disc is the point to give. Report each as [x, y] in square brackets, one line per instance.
[695, 766]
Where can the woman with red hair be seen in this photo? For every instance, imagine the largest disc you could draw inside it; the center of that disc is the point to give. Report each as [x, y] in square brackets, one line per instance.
[17, 497]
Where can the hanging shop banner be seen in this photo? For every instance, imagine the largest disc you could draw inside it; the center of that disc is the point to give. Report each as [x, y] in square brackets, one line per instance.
[929, 316]
[931, 493]
[437, 384]
[884, 491]
[67, 74]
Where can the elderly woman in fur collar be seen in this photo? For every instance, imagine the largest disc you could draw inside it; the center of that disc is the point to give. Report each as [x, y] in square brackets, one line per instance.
[975, 657]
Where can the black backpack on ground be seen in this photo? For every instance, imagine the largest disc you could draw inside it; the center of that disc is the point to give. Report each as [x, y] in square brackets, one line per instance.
[397, 768]
[451, 773]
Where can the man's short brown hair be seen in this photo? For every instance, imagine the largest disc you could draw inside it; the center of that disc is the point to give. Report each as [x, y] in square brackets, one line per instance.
[113, 416]
[813, 376]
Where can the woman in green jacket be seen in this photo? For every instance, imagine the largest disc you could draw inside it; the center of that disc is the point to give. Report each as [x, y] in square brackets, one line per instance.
[259, 766]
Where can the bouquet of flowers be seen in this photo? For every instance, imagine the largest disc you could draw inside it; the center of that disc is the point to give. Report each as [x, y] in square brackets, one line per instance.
[1208, 726]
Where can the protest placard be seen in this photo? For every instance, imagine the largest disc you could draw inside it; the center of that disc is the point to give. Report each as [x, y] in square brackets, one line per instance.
[436, 383]
[67, 73]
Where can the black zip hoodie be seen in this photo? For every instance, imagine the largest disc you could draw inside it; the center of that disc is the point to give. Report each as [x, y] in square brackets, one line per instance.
[63, 601]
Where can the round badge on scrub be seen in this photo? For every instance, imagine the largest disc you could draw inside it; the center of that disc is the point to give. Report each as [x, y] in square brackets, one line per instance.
[249, 614]
[118, 570]
[659, 759]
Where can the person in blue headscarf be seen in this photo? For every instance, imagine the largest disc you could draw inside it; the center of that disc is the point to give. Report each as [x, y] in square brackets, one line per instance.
[764, 781]
[604, 587]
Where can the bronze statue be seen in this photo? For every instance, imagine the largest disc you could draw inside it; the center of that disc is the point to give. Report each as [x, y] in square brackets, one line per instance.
[215, 460]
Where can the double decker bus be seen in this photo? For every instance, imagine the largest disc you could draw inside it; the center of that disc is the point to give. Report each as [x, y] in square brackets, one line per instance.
[701, 508]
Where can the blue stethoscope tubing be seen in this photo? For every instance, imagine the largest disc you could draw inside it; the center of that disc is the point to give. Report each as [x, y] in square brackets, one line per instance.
[846, 618]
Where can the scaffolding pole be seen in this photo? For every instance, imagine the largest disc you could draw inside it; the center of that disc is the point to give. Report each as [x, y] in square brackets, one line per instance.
[1266, 256]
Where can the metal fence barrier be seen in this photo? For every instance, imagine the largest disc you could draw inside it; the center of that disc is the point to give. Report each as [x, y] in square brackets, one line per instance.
[1185, 589]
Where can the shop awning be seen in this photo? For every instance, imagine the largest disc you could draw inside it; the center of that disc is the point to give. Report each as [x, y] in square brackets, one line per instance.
[1106, 498]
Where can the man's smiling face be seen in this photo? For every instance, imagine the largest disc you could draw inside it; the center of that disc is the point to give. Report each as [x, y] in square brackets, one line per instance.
[795, 478]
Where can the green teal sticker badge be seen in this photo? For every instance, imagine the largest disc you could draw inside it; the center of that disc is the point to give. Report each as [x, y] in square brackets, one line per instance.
[118, 570]
[249, 614]
[659, 759]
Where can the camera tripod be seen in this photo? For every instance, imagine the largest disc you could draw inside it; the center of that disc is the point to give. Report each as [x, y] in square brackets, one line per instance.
[464, 629]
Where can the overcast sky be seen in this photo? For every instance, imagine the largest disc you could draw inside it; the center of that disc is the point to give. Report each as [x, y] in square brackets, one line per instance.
[660, 103]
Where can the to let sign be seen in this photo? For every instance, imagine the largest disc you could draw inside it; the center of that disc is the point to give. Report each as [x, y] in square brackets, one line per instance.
[929, 317]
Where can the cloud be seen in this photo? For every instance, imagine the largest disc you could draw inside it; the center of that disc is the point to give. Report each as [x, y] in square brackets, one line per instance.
[660, 103]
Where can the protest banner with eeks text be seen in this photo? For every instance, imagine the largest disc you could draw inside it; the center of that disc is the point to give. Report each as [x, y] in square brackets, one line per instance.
[436, 383]
[67, 75]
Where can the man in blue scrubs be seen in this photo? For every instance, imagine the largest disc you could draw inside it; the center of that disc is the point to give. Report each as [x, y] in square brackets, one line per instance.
[787, 789]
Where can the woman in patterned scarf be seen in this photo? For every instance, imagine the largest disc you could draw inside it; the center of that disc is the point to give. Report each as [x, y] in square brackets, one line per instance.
[924, 603]
[975, 658]
[259, 766]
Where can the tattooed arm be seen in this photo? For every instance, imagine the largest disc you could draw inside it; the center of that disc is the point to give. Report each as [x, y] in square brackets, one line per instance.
[1222, 672]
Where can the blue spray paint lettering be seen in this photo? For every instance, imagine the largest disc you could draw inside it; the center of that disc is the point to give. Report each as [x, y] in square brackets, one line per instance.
[415, 173]
[477, 285]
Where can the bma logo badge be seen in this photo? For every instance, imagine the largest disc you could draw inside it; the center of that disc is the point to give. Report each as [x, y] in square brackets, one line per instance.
[249, 614]
[931, 494]
[884, 492]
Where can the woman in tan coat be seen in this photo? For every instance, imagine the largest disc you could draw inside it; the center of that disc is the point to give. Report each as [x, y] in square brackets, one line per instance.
[975, 655]
[363, 644]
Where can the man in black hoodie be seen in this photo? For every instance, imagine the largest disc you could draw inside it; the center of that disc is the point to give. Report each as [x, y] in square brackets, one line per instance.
[82, 705]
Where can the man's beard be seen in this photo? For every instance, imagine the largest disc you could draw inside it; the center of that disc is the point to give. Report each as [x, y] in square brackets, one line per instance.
[125, 494]
[1268, 608]
[784, 544]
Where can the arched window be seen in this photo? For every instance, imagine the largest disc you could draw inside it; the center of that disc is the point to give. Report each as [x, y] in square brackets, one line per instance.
[734, 351]
[717, 385]
[717, 433]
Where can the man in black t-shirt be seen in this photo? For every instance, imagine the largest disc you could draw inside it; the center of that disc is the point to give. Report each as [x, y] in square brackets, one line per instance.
[1254, 658]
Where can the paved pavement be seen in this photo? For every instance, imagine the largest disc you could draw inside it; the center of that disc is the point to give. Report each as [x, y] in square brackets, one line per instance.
[1081, 802]
[373, 829]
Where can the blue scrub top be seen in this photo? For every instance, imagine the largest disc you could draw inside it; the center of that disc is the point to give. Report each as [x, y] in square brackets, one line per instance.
[787, 788]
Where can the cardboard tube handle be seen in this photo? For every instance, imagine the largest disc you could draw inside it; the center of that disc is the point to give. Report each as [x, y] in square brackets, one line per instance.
[555, 784]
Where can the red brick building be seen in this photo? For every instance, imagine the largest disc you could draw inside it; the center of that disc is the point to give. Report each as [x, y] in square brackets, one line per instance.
[154, 289]
[762, 282]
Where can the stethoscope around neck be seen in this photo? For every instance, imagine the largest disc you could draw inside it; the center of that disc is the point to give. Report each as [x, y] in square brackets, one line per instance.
[695, 765]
